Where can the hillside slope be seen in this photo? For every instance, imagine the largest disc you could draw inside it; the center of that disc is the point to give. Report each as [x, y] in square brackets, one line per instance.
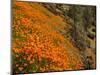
[39, 43]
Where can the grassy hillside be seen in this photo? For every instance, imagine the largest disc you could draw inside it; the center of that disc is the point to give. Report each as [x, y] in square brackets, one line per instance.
[39, 43]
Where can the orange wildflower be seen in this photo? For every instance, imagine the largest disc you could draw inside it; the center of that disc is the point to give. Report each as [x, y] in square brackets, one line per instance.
[16, 50]
[31, 62]
[20, 68]
[25, 21]
[17, 65]
[17, 56]
[25, 64]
